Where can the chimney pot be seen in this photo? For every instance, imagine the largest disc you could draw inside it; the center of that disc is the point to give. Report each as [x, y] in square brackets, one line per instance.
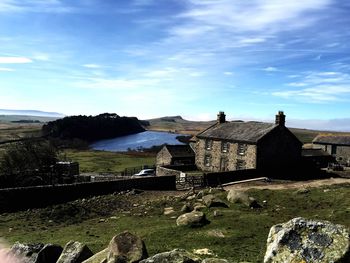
[280, 119]
[221, 117]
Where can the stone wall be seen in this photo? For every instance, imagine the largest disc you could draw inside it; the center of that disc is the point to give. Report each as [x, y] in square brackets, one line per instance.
[12, 199]
[342, 152]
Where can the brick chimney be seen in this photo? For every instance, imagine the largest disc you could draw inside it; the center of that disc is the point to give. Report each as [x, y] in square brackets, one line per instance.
[221, 117]
[280, 119]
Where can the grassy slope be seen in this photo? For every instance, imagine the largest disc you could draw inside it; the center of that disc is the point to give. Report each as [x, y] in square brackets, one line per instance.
[100, 161]
[245, 230]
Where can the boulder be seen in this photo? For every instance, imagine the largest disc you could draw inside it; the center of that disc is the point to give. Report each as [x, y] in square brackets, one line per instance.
[168, 211]
[186, 208]
[174, 256]
[237, 196]
[126, 247]
[74, 252]
[213, 201]
[98, 257]
[192, 219]
[36, 253]
[209, 191]
[302, 240]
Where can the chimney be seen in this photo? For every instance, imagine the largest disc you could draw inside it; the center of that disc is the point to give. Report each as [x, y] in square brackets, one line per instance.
[221, 117]
[280, 119]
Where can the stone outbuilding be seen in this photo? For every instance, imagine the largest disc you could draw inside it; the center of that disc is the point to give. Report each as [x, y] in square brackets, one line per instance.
[175, 155]
[237, 145]
[336, 145]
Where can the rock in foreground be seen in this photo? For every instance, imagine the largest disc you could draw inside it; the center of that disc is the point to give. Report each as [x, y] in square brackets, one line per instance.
[193, 219]
[174, 256]
[302, 240]
[74, 252]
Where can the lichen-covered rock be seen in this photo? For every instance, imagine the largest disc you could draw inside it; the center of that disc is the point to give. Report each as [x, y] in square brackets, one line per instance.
[213, 201]
[36, 253]
[98, 257]
[126, 247]
[74, 252]
[237, 196]
[192, 219]
[302, 240]
[174, 256]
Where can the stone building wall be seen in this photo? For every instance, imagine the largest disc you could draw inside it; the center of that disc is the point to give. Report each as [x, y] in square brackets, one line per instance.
[224, 160]
[163, 157]
[342, 152]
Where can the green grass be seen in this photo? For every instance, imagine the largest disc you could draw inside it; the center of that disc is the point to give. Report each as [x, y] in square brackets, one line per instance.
[101, 161]
[245, 229]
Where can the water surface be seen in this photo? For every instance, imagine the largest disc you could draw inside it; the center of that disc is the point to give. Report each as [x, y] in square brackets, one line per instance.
[136, 141]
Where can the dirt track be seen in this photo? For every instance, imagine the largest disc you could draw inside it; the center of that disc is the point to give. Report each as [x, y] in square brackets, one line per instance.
[278, 185]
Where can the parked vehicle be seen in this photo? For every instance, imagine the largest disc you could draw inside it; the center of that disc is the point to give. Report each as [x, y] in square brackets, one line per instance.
[145, 172]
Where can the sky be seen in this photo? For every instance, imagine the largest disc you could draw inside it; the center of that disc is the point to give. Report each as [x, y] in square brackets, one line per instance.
[153, 58]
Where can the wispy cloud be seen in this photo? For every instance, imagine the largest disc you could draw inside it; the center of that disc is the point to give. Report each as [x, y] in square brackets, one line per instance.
[319, 87]
[37, 6]
[6, 69]
[94, 66]
[14, 60]
[270, 69]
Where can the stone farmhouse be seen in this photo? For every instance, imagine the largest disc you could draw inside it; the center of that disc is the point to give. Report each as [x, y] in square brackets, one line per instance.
[336, 145]
[229, 146]
[175, 155]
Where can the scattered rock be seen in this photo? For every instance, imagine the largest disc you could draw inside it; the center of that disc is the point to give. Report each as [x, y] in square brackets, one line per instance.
[199, 207]
[191, 197]
[237, 196]
[203, 251]
[192, 219]
[216, 233]
[213, 201]
[302, 240]
[215, 260]
[174, 256]
[209, 191]
[36, 253]
[126, 247]
[74, 252]
[186, 208]
[302, 191]
[217, 213]
[168, 210]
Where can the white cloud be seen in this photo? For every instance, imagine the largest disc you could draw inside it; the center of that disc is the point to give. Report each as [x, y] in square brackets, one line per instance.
[14, 60]
[319, 87]
[270, 69]
[91, 66]
[228, 73]
[7, 69]
[46, 6]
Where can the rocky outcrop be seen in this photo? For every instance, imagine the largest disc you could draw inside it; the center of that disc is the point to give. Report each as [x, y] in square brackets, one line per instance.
[36, 253]
[192, 219]
[214, 260]
[174, 256]
[302, 240]
[237, 196]
[213, 201]
[74, 252]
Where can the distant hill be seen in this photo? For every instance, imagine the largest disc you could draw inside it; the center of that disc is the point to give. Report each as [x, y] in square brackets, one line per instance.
[177, 124]
[31, 113]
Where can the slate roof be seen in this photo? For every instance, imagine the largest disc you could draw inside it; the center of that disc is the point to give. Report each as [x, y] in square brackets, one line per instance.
[180, 150]
[333, 139]
[249, 132]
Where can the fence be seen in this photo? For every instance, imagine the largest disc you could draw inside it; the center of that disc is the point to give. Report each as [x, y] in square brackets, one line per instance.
[12, 199]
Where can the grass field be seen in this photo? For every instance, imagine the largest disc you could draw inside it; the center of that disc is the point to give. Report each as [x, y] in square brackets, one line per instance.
[101, 161]
[243, 230]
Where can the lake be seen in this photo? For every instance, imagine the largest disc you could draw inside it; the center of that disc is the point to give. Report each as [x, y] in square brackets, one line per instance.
[136, 141]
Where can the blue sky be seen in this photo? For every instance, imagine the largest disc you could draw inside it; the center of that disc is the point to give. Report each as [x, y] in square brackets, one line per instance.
[151, 58]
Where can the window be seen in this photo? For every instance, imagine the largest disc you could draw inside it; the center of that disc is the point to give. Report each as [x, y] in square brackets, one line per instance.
[207, 160]
[241, 149]
[240, 165]
[223, 164]
[208, 144]
[224, 147]
[334, 149]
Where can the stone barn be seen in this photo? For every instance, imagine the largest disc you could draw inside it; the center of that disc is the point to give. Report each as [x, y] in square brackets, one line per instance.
[175, 155]
[336, 145]
[229, 146]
